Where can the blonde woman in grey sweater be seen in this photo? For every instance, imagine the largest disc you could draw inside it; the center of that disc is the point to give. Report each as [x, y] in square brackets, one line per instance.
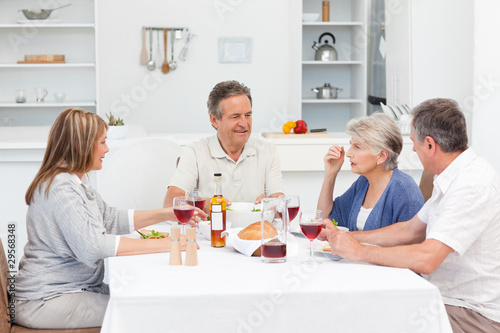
[71, 230]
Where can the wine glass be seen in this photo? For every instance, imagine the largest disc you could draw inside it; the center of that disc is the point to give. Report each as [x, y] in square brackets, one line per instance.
[199, 199]
[293, 204]
[184, 210]
[311, 222]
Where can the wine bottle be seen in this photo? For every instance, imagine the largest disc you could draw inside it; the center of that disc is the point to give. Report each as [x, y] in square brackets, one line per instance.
[218, 214]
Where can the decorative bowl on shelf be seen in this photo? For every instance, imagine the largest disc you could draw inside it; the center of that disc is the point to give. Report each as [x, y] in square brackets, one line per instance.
[310, 17]
[117, 132]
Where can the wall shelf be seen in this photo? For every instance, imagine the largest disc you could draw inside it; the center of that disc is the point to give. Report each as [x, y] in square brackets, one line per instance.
[332, 101]
[48, 65]
[71, 32]
[338, 62]
[47, 104]
[50, 25]
[331, 24]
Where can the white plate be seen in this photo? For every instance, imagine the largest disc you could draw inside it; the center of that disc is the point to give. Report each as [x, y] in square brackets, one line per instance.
[318, 249]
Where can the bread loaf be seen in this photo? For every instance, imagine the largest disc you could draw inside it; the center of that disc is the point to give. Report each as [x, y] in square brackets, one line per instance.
[253, 232]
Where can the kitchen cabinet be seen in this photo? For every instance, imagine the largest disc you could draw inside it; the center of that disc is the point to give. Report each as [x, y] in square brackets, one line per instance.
[426, 57]
[348, 24]
[69, 31]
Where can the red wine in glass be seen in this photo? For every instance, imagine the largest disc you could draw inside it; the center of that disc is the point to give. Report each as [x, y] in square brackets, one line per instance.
[200, 203]
[311, 223]
[292, 212]
[184, 214]
[274, 250]
[311, 230]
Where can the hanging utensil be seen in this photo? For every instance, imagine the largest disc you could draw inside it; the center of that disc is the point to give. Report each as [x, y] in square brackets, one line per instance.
[165, 68]
[151, 63]
[173, 63]
[183, 53]
[144, 53]
[158, 49]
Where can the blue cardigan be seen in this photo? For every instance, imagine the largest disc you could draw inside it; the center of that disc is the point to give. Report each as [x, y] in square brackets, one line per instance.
[400, 202]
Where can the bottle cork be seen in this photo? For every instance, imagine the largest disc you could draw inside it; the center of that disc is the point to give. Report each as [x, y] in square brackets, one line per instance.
[175, 246]
[326, 11]
[191, 250]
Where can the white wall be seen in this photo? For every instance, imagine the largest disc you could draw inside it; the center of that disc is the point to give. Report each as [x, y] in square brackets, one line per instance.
[177, 102]
[486, 93]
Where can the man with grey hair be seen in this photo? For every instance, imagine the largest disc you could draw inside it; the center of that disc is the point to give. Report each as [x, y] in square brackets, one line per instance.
[250, 167]
[454, 240]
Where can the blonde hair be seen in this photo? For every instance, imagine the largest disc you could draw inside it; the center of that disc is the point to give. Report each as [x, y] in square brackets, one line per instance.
[70, 147]
[378, 132]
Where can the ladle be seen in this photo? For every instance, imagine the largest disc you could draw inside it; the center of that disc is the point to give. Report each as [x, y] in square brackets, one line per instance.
[173, 63]
[164, 68]
[151, 63]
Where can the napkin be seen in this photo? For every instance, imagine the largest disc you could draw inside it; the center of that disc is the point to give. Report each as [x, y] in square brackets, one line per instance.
[247, 247]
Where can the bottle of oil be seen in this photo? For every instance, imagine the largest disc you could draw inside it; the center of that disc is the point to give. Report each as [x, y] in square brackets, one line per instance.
[218, 214]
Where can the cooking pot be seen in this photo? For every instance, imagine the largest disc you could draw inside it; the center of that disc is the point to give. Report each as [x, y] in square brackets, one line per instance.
[326, 92]
[325, 52]
[39, 14]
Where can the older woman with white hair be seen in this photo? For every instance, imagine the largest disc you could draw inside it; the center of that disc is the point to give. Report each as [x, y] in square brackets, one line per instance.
[383, 194]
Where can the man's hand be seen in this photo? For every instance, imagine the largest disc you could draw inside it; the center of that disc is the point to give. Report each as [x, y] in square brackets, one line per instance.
[259, 198]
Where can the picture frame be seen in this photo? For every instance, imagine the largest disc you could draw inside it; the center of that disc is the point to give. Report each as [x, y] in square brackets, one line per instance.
[235, 49]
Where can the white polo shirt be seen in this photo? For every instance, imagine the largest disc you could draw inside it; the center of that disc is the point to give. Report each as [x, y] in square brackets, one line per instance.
[256, 172]
[464, 213]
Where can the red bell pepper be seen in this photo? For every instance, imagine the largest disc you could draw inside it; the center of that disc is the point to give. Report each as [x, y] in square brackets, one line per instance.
[301, 127]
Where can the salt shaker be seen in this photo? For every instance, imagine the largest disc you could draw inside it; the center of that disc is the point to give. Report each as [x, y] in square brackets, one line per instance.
[175, 246]
[191, 250]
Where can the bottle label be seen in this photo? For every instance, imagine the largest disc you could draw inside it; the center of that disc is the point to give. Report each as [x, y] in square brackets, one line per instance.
[217, 217]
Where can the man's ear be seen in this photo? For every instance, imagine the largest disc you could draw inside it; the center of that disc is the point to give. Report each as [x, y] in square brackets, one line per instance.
[213, 121]
[431, 144]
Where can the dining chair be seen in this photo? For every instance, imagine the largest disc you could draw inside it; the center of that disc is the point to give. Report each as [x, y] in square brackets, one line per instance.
[426, 184]
[137, 175]
[5, 325]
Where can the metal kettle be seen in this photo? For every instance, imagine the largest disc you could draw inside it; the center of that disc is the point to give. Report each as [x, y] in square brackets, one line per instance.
[325, 52]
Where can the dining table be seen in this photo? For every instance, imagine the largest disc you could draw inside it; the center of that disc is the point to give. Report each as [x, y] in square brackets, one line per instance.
[231, 292]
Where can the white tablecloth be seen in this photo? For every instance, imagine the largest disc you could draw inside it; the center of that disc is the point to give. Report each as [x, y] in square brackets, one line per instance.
[229, 292]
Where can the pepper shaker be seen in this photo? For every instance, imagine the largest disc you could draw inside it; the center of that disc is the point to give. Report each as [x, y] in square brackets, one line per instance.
[175, 246]
[191, 250]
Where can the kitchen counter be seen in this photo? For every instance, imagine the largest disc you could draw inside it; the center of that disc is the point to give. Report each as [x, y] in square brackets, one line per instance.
[297, 153]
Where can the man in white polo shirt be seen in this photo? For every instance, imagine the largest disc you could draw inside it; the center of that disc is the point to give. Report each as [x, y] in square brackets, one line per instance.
[454, 240]
[250, 167]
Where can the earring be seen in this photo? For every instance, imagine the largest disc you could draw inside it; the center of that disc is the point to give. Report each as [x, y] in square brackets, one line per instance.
[378, 163]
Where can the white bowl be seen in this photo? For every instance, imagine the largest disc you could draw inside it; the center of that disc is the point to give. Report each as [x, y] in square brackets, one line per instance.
[241, 215]
[310, 17]
[205, 228]
[117, 132]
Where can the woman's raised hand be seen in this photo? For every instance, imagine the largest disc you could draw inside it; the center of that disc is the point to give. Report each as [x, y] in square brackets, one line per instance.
[334, 159]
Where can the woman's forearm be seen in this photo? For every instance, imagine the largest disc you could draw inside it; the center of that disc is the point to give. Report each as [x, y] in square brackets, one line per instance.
[144, 218]
[325, 200]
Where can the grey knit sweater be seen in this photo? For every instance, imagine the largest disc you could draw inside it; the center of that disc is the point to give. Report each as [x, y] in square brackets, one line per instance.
[70, 232]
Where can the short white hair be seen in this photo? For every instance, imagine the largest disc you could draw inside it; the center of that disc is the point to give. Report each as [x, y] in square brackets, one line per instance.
[378, 132]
